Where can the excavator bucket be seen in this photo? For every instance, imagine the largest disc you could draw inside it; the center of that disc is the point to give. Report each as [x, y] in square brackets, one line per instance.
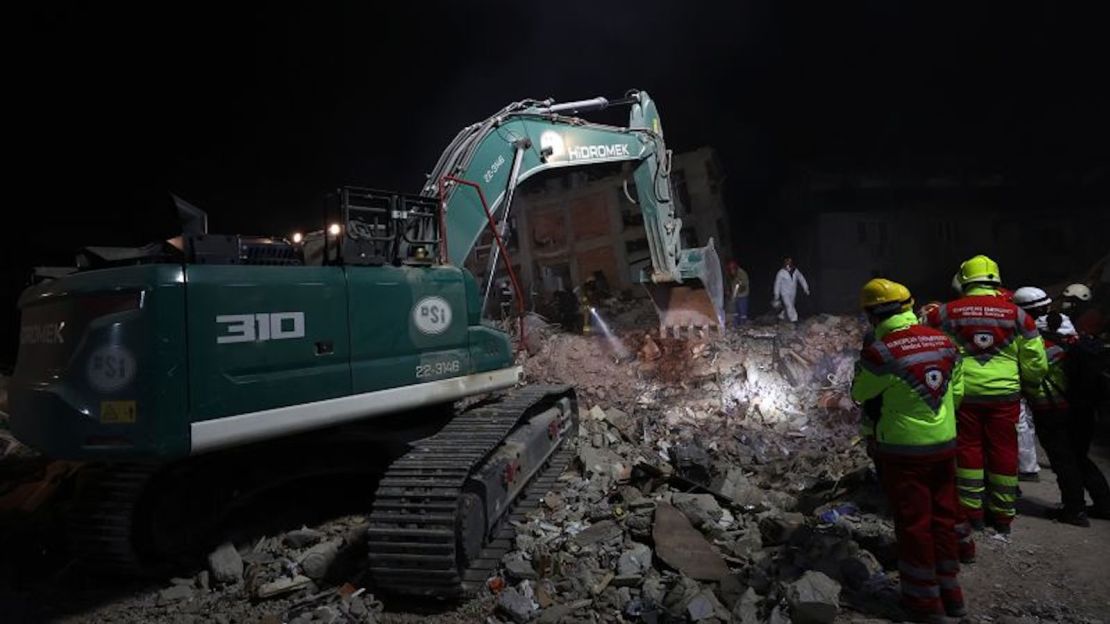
[697, 302]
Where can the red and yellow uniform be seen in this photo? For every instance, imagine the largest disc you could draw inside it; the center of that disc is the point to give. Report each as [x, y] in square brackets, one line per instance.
[1002, 350]
[915, 372]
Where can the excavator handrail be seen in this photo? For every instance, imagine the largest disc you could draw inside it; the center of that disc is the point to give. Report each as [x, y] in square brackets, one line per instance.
[500, 244]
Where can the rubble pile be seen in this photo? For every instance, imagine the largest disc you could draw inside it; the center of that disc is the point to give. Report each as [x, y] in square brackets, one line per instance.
[717, 481]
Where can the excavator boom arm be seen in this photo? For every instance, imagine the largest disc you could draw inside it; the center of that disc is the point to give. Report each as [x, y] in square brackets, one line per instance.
[530, 137]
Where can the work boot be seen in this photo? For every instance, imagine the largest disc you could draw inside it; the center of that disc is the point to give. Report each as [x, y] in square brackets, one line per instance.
[1032, 477]
[977, 524]
[1076, 518]
[1000, 528]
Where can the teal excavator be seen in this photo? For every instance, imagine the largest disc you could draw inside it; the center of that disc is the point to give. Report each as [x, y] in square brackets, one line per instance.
[191, 374]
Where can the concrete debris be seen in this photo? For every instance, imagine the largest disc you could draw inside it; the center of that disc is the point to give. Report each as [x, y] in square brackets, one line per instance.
[318, 560]
[176, 593]
[683, 548]
[777, 527]
[302, 538]
[705, 606]
[746, 610]
[635, 561]
[605, 531]
[514, 603]
[517, 568]
[225, 564]
[814, 598]
[283, 586]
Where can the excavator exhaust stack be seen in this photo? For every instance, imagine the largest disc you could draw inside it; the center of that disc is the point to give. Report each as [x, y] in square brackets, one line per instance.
[696, 303]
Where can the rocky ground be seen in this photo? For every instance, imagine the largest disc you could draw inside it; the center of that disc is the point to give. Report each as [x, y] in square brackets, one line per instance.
[717, 480]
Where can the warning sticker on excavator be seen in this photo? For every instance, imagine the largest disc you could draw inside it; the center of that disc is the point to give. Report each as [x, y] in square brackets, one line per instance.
[117, 412]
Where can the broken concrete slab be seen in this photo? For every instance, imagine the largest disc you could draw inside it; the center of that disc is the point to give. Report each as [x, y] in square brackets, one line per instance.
[302, 538]
[635, 561]
[701, 509]
[225, 564]
[777, 527]
[517, 568]
[556, 614]
[513, 603]
[318, 560]
[746, 610]
[174, 594]
[705, 606]
[683, 547]
[283, 586]
[601, 532]
[814, 598]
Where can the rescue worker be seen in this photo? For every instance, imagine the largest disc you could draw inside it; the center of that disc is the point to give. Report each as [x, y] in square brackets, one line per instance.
[786, 289]
[739, 291]
[1065, 427]
[1002, 350]
[915, 372]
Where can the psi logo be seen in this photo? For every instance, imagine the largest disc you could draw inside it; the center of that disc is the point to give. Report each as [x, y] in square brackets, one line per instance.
[432, 315]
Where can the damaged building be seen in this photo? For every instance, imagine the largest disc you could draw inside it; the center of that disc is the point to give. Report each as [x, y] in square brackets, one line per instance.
[567, 227]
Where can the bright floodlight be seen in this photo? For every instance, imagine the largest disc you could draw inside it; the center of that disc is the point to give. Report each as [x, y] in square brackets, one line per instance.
[333, 229]
[298, 237]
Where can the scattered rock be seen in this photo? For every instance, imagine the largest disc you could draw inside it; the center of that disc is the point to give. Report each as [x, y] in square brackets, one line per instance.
[225, 564]
[701, 509]
[516, 605]
[283, 586]
[682, 547]
[517, 568]
[634, 562]
[302, 538]
[175, 593]
[318, 560]
[746, 610]
[814, 598]
[601, 532]
[776, 527]
[705, 606]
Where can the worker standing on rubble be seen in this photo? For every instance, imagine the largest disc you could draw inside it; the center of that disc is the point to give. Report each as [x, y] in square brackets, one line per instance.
[739, 290]
[915, 372]
[1002, 350]
[1064, 418]
[786, 290]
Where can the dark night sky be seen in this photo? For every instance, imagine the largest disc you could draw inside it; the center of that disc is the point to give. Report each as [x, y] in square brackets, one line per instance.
[252, 116]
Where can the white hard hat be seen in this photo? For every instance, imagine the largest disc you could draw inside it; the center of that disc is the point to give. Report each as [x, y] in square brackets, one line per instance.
[1077, 291]
[1031, 297]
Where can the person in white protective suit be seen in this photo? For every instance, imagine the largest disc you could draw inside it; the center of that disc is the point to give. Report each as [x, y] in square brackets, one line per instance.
[786, 290]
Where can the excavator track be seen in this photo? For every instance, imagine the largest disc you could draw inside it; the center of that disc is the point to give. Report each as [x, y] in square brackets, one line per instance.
[101, 523]
[417, 529]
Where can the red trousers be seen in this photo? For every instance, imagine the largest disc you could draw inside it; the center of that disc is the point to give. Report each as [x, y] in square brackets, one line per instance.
[987, 458]
[922, 494]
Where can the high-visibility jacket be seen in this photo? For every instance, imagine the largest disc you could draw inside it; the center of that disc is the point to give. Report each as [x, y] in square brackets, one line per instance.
[917, 374]
[1001, 347]
[1050, 393]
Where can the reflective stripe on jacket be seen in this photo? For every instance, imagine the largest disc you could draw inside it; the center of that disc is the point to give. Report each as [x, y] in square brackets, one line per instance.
[917, 372]
[999, 342]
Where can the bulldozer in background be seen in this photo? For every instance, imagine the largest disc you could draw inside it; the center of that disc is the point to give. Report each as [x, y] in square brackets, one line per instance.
[184, 374]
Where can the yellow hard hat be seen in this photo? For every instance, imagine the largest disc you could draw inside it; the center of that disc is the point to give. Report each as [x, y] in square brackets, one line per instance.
[979, 269]
[881, 296]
